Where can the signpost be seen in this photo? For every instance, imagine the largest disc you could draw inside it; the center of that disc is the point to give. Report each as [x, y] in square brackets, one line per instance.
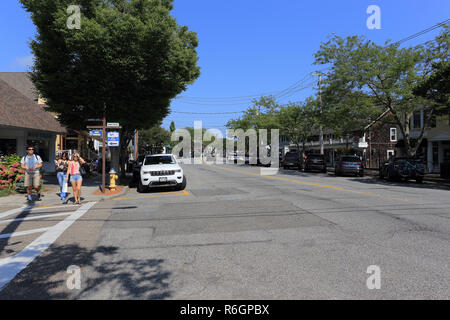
[103, 127]
[113, 139]
[95, 133]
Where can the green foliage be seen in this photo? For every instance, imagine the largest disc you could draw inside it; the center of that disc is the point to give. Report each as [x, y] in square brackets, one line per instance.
[10, 159]
[298, 121]
[153, 140]
[263, 114]
[367, 79]
[128, 60]
[11, 173]
[436, 87]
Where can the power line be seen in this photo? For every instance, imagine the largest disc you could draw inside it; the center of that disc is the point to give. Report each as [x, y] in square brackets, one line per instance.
[417, 34]
[235, 100]
[207, 112]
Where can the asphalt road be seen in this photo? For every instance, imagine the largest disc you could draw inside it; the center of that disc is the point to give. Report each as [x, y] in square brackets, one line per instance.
[236, 234]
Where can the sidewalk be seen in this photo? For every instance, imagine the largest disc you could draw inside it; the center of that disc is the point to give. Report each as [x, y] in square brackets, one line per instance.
[50, 194]
[430, 178]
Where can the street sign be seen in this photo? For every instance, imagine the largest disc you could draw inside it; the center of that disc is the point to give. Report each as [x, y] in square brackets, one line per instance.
[112, 124]
[113, 139]
[95, 133]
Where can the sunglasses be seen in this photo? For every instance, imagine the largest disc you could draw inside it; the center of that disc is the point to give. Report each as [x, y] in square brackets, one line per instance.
[30, 149]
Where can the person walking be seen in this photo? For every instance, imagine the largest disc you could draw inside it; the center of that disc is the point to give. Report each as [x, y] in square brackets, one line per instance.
[75, 176]
[31, 163]
[61, 168]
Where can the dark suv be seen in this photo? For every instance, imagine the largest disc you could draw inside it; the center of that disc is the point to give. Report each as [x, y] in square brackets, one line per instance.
[292, 160]
[349, 164]
[403, 168]
[315, 162]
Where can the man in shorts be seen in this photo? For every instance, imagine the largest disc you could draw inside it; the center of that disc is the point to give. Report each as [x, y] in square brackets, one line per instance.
[31, 164]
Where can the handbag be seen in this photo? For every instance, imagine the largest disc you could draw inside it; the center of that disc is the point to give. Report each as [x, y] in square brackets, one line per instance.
[64, 187]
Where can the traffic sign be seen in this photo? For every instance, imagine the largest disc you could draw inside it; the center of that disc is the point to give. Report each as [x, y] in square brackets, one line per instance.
[95, 133]
[113, 139]
[112, 124]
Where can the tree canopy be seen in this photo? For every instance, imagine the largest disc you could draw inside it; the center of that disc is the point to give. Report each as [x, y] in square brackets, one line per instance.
[127, 60]
[367, 79]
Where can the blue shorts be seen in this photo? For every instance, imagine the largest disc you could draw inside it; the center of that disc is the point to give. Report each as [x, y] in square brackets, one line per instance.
[75, 177]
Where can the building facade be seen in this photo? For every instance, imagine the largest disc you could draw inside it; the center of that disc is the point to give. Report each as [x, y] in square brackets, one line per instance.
[24, 122]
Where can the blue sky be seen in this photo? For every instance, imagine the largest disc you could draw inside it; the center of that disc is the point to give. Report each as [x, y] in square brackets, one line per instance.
[250, 47]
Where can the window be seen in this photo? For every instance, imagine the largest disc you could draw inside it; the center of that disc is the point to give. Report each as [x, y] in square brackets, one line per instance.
[7, 146]
[41, 148]
[150, 160]
[416, 120]
[390, 153]
[393, 134]
[432, 123]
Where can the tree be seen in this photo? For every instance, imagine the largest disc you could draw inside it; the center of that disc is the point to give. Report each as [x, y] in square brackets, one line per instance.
[382, 75]
[298, 121]
[255, 118]
[127, 61]
[436, 87]
[153, 140]
[172, 127]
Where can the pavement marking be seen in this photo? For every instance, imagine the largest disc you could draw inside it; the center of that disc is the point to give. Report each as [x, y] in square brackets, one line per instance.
[11, 266]
[312, 184]
[22, 233]
[13, 211]
[36, 217]
[28, 209]
[164, 194]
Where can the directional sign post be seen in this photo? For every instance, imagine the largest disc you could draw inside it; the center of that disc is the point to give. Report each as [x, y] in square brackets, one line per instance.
[113, 139]
[95, 133]
[103, 127]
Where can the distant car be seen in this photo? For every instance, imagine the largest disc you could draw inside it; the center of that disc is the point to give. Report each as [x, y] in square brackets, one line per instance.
[349, 165]
[403, 168]
[161, 170]
[292, 159]
[315, 162]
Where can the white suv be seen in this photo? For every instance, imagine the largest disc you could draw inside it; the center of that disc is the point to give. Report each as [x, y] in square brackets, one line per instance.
[161, 170]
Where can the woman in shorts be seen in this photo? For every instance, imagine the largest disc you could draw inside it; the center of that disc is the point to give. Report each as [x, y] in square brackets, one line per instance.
[75, 176]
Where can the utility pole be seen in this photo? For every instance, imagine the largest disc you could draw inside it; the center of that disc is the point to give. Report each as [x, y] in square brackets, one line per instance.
[320, 74]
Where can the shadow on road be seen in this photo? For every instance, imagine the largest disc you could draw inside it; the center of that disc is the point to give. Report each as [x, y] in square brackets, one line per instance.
[46, 277]
[12, 226]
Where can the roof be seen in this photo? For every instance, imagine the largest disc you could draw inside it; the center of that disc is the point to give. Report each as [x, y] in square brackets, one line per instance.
[21, 82]
[17, 110]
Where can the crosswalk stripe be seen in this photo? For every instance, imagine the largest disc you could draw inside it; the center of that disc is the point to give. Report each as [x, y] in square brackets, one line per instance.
[13, 211]
[11, 266]
[36, 217]
[22, 233]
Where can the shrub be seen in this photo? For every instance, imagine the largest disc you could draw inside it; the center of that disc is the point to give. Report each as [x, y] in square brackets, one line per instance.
[10, 172]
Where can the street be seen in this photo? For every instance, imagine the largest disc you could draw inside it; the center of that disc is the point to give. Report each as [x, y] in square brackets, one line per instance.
[236, 234]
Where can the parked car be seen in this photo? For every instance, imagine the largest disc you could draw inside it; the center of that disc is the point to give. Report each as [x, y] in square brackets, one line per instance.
[403, 168]
[349, 165]
[137, 170]
[161, 170]
[315, 162]
[292, 159]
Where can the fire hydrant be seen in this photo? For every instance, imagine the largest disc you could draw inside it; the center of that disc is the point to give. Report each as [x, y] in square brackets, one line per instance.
[112, 179]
